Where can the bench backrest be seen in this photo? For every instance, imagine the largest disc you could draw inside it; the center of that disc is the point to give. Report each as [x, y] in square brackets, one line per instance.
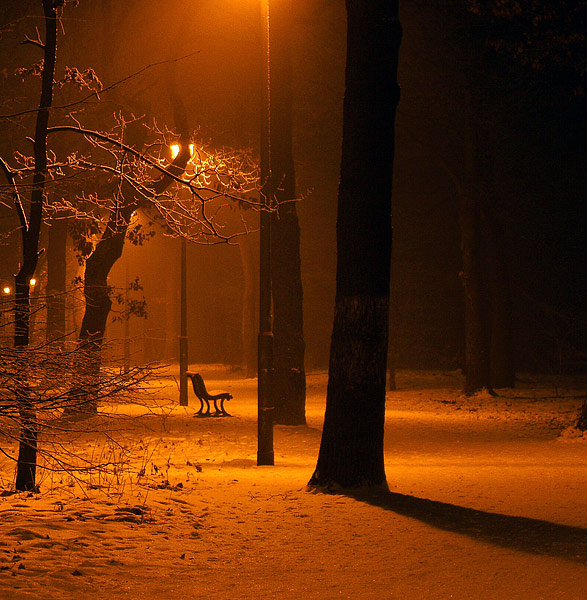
[199, 386]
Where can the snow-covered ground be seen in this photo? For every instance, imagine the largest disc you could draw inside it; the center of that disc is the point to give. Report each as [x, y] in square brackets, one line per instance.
[488, 501]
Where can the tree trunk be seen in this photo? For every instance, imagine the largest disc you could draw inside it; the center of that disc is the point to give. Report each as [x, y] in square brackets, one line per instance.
[496, 277]
[476, 347]
[289, 375]
[351, 450]
[103, 258]
[27, 452]
[501, 360]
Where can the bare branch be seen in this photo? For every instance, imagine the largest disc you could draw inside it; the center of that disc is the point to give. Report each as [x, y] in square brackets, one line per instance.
[16, 197]
[35, 42]
[107, 88]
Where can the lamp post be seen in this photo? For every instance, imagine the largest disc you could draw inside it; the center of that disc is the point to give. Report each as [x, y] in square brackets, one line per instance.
[183, 329]
[183, 308]
[265, 408]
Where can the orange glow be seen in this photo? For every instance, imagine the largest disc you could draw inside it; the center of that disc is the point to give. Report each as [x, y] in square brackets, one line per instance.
[175, 150]
[6, 290]
[33, 282]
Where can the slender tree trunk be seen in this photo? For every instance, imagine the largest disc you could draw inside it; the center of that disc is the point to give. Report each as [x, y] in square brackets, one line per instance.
[289, 375]
[27, 452]
[351, 450]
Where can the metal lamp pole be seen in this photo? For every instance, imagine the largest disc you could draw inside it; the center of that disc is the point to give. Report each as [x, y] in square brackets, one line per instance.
[265, 454]
[183, 329]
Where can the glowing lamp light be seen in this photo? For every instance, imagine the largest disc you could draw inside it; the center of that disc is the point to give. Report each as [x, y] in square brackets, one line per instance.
[33, 282]
[175, 150]
[6, 289]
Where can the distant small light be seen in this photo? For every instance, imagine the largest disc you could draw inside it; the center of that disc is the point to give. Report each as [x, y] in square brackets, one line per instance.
[33, 282]
[6, 290]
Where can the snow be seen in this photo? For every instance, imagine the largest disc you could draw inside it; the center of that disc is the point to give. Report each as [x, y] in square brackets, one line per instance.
[488, 501]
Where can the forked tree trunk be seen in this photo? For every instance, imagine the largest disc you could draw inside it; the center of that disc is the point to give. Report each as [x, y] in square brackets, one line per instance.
[100, 263]
[289, 375]
[98, 304]
[97, 292]
[351, 450]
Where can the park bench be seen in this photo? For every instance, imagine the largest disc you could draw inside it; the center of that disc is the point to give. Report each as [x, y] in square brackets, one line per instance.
[205, 398]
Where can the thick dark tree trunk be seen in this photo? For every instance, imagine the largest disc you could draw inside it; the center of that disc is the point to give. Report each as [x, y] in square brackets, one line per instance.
[289, 375]
[56, 281]
[496, 278]
[27, 453]
[497, 281]
[351, 450]
[476, 340]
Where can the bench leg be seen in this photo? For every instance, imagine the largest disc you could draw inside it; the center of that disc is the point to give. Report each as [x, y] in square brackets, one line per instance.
[222, 410]
[201, 412]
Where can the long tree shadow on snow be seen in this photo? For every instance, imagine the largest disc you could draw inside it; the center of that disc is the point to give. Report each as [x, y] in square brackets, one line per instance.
[519, 533]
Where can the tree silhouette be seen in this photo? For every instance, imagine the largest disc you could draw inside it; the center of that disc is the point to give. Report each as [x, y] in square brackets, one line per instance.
[351, 450]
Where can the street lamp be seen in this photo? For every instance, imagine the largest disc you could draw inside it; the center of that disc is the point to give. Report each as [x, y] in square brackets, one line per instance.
[175, 150]
[265, 408]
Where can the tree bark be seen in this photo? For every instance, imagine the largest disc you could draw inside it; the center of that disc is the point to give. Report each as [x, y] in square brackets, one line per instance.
[501, 359]
[27, 452]
[496, 275]
[289, 375]
[351, 450]
[476, 344]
